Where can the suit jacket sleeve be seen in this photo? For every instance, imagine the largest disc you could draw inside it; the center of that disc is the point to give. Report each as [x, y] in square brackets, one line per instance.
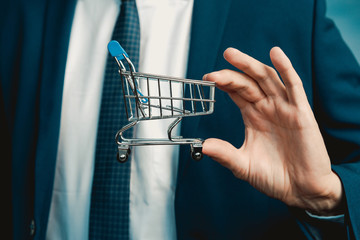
[336, 93]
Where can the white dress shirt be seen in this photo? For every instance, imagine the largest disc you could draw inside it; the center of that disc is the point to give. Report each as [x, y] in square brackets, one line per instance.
[165, 33]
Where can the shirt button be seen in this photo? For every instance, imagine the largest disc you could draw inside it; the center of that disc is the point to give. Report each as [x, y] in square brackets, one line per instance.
[32, 228]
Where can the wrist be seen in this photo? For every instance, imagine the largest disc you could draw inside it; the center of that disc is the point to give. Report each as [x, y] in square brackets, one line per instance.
[331, 202]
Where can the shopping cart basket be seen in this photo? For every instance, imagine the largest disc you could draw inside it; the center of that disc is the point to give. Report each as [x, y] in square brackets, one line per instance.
[147, 97]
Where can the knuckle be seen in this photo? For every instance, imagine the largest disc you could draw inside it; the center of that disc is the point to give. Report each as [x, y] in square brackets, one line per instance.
[225, 72]
[271, 71]
[242, 88]
[262, 76]
[266, 74]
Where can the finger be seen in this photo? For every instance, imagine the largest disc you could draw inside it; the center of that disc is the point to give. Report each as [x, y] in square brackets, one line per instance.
[236, 83]
[225, 154]
[264, 75]
[293, 83]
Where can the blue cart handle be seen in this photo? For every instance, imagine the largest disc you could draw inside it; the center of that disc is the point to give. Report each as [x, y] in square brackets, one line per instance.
[116, 50]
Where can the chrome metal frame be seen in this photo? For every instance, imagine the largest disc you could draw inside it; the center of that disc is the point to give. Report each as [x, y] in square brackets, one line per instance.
[139, 107]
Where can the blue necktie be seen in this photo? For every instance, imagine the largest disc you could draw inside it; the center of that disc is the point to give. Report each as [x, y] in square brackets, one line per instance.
[109, 210]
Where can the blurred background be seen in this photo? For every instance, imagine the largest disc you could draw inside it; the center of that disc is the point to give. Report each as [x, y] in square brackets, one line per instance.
[346, 15]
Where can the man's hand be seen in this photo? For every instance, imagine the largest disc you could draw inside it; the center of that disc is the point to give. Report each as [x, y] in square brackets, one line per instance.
[283, 155]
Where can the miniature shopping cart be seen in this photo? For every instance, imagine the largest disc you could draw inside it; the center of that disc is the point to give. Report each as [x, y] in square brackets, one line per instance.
[148, 97]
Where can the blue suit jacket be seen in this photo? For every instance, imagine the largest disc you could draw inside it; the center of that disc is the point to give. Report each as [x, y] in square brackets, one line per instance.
[210, 202]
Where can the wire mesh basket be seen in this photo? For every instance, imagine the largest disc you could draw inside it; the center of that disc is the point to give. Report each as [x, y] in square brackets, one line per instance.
[148, 97]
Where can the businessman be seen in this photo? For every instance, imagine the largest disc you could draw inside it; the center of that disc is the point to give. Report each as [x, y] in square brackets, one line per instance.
[207, 202]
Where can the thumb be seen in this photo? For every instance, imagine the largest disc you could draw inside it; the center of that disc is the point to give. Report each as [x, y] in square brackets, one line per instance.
[225, 154]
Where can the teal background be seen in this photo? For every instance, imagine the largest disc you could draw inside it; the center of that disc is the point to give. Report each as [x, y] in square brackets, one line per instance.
[346, 15]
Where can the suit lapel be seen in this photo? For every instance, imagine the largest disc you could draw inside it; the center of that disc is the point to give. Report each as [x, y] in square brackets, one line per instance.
[208, 22]
[56, 37]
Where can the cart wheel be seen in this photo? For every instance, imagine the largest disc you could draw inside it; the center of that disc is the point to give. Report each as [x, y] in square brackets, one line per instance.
[123, 155]
[196, 154]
